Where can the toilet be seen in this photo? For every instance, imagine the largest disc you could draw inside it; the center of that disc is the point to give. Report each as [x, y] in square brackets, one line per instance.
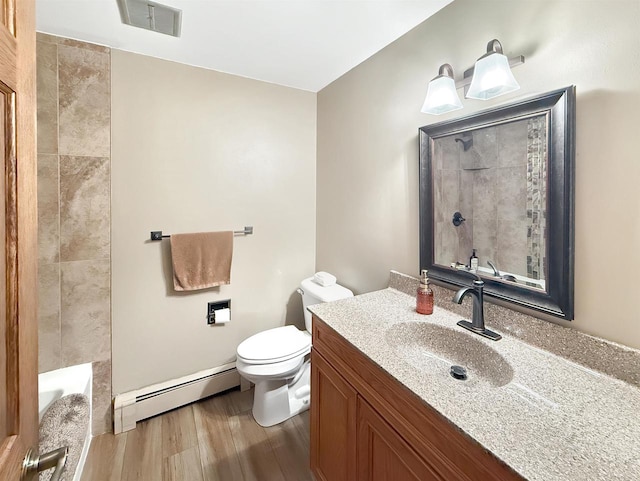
[274, 360]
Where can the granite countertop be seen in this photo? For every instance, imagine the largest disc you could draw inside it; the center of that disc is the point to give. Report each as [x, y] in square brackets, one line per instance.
[549, 419]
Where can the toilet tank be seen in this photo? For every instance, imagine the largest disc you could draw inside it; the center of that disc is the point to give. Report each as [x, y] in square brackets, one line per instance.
[313, 293]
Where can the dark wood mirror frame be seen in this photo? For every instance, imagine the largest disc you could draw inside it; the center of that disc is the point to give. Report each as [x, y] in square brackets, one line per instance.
[559, 107]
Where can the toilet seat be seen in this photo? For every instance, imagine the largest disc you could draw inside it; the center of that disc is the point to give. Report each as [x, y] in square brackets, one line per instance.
[274, 346]
[278, 370]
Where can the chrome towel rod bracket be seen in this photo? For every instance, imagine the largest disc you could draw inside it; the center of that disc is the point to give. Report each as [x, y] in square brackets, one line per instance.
[156, 235]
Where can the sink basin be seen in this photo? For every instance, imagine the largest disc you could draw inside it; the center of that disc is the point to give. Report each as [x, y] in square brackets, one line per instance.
[436, 348]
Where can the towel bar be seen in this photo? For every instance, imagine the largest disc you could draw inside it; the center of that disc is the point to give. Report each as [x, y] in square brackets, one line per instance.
[156, 235]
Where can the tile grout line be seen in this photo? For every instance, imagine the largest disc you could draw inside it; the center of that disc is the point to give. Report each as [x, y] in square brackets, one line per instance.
[59, 204]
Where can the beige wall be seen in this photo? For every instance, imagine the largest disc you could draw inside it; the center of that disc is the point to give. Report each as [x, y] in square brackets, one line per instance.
[197, 150]
[73, 212]
[367, 173]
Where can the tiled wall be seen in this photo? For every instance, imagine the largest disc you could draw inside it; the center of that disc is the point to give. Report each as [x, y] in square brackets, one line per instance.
[536, 197]
[74, 149]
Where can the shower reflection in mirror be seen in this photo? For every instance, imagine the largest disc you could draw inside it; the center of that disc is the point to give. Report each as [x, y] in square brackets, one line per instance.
[496, 176]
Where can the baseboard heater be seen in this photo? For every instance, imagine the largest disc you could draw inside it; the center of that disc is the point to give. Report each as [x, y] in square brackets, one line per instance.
[134, 406]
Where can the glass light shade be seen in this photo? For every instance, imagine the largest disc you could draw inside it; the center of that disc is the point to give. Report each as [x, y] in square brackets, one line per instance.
[441, 96]
[491, 77]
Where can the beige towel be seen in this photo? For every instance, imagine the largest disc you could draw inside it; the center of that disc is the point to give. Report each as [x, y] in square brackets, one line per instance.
[201, 260]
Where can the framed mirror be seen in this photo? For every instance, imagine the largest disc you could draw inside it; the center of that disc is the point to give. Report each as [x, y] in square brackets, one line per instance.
[499, 186]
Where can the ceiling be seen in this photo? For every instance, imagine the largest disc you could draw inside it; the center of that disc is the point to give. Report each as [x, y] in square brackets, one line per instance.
[305, 44]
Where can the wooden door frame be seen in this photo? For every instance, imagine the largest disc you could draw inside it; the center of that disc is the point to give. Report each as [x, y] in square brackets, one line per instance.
[22, 292]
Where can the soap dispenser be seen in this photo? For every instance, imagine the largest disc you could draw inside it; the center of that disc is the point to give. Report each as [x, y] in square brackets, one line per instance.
[473, 261]
[424, 296]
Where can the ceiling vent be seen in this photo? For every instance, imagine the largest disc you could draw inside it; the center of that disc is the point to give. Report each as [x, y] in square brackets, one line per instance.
[151, 16]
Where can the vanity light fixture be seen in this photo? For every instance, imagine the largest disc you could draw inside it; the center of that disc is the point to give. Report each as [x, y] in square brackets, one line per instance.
[441, 93]
[492, 74]
[490, 77]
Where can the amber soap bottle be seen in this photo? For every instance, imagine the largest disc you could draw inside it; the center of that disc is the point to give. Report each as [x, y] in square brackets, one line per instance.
[424, 296]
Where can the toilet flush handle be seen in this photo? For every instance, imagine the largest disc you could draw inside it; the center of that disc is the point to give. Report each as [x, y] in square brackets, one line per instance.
[300, 291]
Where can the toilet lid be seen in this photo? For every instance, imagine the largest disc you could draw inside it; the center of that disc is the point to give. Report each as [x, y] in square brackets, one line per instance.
[274, 345]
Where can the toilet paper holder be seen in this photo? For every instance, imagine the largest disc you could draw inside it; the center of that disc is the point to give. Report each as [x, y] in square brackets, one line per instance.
[212, 307]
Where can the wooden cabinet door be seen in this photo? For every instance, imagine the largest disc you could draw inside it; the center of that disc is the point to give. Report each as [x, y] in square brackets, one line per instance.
[385, 456]
[18, 256]
[333, 423]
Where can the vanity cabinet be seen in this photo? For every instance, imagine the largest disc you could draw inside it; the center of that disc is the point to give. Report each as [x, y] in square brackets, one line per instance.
[383, 454]
[366, 426]
[333, 423]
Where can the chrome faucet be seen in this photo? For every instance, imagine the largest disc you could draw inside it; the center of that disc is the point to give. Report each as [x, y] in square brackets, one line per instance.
[477, 319]
[496, 273]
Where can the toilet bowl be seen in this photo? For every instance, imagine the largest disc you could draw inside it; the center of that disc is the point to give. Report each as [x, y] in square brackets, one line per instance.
[275, 360]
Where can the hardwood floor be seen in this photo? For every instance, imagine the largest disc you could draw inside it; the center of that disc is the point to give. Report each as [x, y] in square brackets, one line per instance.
[213, 440]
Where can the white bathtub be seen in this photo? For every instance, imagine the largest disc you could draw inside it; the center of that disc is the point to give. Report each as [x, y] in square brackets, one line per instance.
[53, 385]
